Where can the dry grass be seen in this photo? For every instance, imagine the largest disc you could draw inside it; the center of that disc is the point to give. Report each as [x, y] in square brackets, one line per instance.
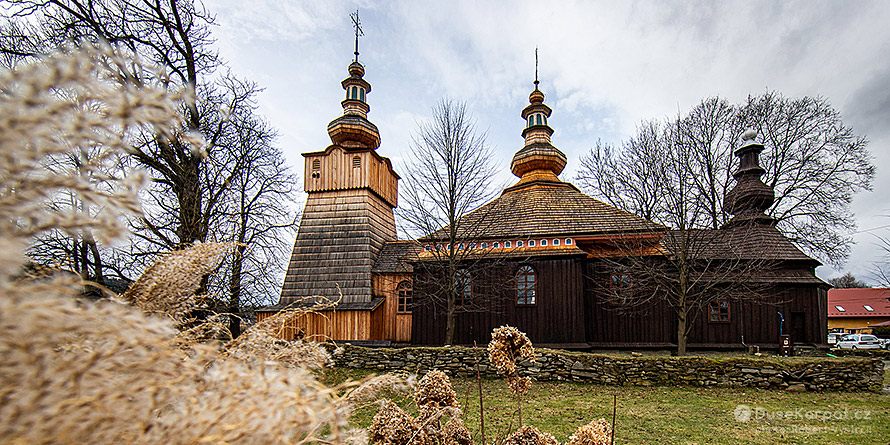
[135, 369]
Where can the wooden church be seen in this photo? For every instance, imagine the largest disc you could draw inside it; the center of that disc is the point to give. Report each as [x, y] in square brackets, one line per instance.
[543, 237]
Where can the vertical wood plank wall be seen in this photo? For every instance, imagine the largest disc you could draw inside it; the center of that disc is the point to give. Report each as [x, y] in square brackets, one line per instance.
[569, 310]
[330, 325]
[396, 326]
[337, 172]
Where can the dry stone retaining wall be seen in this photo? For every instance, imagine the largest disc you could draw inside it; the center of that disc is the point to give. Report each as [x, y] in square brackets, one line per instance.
[792, 374]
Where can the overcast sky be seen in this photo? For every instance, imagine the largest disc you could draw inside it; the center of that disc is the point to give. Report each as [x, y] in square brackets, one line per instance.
[604, 67]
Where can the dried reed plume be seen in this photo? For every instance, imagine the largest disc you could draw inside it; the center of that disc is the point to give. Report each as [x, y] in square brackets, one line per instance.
[108, 372]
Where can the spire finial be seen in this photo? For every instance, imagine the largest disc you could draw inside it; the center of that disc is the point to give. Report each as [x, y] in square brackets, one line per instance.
[536, 67]
[357, 24]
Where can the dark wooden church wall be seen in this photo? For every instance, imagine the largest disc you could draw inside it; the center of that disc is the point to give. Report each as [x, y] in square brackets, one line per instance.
[571, 310]
[607, 325]
[610, 326]
[556, 318]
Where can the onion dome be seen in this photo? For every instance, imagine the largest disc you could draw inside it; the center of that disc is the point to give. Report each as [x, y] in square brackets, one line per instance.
[750, 198]
[538, 160]
[353, 130]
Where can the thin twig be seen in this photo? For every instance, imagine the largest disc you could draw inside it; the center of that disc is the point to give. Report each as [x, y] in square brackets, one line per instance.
[479, 380]
[614, 412]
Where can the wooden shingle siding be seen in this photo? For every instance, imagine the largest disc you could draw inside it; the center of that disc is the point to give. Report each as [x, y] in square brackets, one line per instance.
[340, 235]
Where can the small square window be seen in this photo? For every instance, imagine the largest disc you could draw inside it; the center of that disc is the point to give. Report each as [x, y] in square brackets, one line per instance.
[840, 308]
[495, 245]
[718, 311]
[485, 245]
[531, 243]
[543, 242]
[868, 308]
[473, 246]
[568, 241]
[556, 241]
[426, 248]
[518, 243]
[508, 244]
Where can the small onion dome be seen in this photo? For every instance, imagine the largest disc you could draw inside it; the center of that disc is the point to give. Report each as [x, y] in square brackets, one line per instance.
[538, 160]
[536, 97]
[353, 129]
[356, 69]
[544, 157]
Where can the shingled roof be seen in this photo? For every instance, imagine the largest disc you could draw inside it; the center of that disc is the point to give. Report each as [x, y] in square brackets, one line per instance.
[395, 257]
[546, 209]
[739, 242]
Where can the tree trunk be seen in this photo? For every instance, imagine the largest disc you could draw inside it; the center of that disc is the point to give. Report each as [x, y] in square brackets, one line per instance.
[449, 321]
[681, 332]
[234, 306]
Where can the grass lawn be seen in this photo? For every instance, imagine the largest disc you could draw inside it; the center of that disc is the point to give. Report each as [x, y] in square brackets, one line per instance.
[666, 415]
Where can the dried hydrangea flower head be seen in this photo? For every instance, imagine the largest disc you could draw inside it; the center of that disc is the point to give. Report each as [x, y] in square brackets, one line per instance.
[435, 390]
[597, 432]
[509, 345]
[456, 433]
[393, 426]
[519, 385]
[529, 435]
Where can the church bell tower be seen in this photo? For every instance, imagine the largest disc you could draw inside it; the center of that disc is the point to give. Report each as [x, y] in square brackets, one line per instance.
[349, 211]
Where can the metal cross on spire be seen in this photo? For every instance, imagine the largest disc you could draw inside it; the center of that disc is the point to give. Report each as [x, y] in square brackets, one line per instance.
[358, 30]
[536, 67]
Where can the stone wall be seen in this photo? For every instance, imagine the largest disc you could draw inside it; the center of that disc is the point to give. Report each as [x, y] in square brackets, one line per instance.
[792, 374]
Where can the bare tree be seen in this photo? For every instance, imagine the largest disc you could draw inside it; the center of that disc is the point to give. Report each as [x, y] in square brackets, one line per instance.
[450, 176]
[847, 281]
[258, 212]
[881, 269]
[812, 160]
[173, 34]
[237, 189]
[686, 265]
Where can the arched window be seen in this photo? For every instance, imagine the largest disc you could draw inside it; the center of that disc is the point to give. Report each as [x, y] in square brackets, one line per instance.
[463, 284]
[406, 296]
[361, 94]
[526, 284]
[353, 92]
[356, 161]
